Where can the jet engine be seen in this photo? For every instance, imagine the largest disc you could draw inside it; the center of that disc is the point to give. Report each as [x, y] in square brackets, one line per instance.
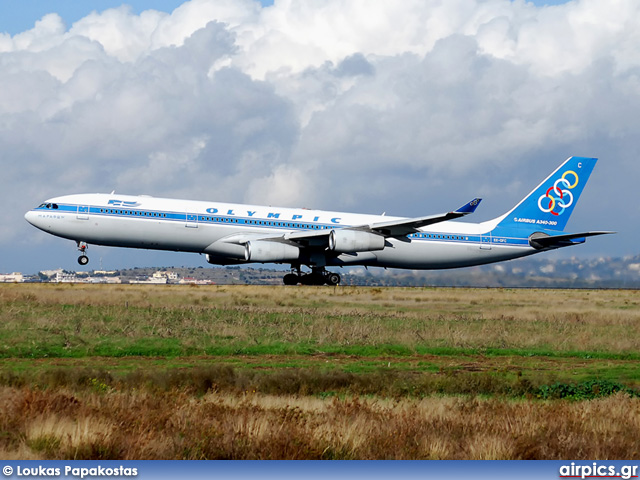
[224, 253]
[352, 241]
[266, 252]
[215, 260]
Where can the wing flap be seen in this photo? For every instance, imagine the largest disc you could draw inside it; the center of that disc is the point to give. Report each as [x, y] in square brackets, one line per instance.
[399, 228]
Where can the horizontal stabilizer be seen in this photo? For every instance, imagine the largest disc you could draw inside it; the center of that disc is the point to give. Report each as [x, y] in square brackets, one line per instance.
[542, 240]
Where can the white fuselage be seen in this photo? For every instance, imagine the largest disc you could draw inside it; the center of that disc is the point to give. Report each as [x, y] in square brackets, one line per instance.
[193, 226]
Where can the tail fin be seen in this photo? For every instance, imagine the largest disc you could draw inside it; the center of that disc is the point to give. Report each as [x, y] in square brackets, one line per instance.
[551, 203]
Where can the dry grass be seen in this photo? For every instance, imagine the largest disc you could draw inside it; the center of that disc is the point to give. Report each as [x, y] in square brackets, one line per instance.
[175, 425]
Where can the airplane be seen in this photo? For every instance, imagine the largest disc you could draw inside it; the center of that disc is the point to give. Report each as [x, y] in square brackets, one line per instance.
[234, 234]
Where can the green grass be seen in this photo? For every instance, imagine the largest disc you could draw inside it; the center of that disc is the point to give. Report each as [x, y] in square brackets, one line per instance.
[486, 337]
[119, 346]
[441, 374]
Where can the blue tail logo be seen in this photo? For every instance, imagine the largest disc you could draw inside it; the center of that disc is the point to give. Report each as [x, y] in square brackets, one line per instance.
[550, 204]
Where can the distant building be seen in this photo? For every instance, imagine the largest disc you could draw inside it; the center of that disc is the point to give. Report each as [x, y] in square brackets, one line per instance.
[110, 280]
[63, 277]
[194, 281]
[170, 276]
[51, 273]
[14, 277]
[158, 278]
[152, 281]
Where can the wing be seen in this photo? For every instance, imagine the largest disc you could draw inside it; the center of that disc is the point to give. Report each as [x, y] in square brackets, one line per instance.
[400, 228]
[393, 228]
[258, 247]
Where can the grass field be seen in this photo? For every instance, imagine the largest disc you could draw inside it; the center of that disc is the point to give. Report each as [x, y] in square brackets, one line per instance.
[136, 371]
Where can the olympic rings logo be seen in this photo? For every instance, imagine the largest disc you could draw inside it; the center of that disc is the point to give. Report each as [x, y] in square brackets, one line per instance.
[556, 199]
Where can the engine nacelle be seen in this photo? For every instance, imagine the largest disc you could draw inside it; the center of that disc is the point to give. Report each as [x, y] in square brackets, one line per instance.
[352, 241]
[215, 260]
[217, 251]
[266, 252]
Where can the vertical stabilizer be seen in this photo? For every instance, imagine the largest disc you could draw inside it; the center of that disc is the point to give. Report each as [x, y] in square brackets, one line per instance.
[551, 203]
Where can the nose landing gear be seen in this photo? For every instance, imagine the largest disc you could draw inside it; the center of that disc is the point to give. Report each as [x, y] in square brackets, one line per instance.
[82, 248]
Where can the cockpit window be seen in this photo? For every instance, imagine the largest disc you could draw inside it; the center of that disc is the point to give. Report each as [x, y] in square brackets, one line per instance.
[54, 206]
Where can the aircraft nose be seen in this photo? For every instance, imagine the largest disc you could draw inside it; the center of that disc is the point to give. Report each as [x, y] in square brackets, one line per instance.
[33, 218]
[30, 217]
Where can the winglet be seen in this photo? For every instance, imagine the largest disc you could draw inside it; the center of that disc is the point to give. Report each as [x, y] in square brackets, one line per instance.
[469, 207]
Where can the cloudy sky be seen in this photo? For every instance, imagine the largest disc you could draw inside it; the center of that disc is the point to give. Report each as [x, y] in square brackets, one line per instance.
[409, 108]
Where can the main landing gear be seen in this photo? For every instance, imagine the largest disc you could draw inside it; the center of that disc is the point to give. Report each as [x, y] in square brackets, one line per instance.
[318, 276]
[82, 248]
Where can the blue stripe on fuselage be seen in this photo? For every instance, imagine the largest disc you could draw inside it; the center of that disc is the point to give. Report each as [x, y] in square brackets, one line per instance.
[186, 217]
[499, 236]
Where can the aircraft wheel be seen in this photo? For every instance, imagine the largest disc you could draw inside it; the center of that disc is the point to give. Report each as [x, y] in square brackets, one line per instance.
[290, 279]
[332, 279]
[83, 259]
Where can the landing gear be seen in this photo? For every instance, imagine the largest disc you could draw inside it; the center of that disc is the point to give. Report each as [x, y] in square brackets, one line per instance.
[82, 248]
[291, 279]
[318, 276]
[332, 279]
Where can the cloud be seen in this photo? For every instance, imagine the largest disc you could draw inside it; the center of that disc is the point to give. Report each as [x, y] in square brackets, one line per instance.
[122, 34]
[47, 33]
[408, 108]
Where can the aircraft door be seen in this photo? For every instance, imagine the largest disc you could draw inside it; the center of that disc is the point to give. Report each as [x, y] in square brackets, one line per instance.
[83, 212]
[485, 241]
[192, 220]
